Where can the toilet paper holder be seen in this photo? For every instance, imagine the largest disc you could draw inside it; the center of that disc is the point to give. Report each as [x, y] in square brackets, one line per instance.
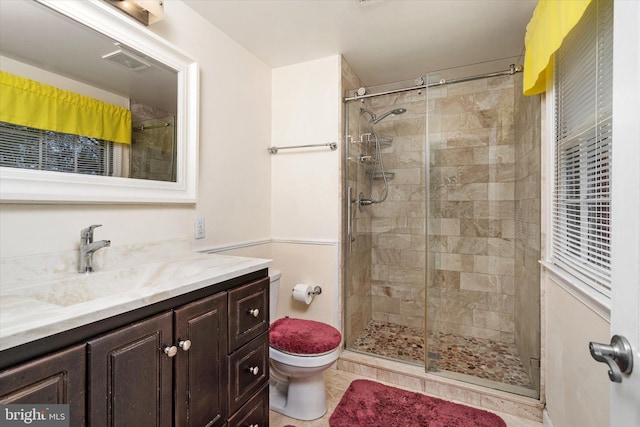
[317, 290]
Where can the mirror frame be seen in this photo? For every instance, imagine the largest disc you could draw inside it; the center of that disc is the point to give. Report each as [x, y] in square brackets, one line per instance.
[28, 186]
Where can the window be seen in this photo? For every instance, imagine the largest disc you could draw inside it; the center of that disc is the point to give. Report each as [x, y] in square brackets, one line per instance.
[36, 149]
[581, 241]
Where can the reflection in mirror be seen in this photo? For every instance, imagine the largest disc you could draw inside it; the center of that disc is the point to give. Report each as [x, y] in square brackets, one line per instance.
[100, 64]
[67, 51]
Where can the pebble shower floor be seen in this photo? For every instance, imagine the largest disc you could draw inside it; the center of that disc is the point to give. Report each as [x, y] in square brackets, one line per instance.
[481, 358]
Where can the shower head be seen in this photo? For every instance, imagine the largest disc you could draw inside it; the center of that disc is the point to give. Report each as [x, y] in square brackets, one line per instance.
[388, 113]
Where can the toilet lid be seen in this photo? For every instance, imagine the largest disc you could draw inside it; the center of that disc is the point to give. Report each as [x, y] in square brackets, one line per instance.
[305, 337]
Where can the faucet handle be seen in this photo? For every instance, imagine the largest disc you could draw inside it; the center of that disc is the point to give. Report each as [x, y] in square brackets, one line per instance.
[87, 233]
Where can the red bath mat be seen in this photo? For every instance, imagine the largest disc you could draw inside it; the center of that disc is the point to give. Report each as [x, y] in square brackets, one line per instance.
[371, 404]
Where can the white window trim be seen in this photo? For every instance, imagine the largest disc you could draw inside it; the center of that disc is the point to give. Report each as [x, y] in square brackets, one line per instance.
[583, 292]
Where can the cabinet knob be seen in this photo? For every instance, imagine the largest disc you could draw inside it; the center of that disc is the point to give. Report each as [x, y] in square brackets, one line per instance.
[254, 370]
[254, 425]
[170, 351]
[254, 312]
[184, 344]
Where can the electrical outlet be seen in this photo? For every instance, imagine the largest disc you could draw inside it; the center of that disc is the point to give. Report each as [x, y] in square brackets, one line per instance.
[199, 227]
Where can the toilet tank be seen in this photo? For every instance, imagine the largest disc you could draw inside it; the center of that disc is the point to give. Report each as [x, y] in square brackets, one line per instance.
[274, 278]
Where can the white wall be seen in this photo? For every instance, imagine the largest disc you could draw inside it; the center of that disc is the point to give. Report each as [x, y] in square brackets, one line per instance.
[305, 184]
[577, 387]
[234, 168]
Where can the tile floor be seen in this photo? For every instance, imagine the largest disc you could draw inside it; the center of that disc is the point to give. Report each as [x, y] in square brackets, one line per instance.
[481, 358]
[337, 383]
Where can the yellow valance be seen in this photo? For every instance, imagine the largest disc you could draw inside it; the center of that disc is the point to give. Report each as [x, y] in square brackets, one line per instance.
[551, 22]
[29, 103]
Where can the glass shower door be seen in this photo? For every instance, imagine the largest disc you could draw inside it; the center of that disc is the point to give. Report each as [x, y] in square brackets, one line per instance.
[358, 240]
[483, 233]
[385, 269]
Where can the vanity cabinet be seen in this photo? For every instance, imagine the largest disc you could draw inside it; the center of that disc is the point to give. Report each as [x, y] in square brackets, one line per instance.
[58, 378]
[200, 359]
[132, 371]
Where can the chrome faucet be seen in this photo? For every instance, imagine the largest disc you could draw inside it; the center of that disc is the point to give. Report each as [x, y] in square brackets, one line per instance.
[88, 247]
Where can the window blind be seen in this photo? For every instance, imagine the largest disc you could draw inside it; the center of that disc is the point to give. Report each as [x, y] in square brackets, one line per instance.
[36, 149]
[581, 235]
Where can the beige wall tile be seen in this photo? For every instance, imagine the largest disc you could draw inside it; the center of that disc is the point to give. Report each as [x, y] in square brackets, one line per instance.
[479, 282]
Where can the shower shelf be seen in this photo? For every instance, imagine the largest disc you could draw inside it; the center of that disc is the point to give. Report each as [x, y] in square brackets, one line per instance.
[381, 175]
[385, 142]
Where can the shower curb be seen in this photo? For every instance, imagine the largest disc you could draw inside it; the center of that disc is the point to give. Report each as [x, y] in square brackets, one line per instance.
[414, 378]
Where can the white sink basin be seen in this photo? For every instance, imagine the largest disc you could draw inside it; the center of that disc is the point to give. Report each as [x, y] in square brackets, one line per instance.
[86, 287]
[82, 288]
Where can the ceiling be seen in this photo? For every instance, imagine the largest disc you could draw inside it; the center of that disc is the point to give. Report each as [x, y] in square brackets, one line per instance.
[383, 41]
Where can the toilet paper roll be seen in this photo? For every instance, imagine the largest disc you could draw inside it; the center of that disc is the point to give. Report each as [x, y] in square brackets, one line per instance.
[303, 293]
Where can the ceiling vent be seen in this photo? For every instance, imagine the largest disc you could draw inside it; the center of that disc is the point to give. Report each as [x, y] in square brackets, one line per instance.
[127, 59]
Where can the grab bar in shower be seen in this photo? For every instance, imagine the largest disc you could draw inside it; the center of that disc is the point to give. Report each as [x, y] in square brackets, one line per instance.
[332, 145]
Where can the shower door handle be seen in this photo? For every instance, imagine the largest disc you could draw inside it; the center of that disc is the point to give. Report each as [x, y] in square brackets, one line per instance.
[618, 355]
[350, 202]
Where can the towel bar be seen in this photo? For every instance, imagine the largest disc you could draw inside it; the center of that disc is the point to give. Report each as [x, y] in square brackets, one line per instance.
[332, 145]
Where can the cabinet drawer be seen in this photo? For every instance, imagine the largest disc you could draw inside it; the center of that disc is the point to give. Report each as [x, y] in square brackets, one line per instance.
[248, 312]
[255, 412]
[248, 371]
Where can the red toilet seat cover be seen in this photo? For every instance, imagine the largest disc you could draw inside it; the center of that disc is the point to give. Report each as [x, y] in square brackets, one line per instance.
[300, 336]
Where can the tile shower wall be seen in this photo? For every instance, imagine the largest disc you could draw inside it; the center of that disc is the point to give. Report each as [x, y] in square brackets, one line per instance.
[398, 224]
[471, 210]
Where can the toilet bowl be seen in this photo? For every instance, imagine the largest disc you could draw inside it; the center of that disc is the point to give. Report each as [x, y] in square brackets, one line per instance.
[300, 351]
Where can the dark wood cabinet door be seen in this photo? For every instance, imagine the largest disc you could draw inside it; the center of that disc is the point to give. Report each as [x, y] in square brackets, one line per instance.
[55, 379]
[201, 370]
[248, 312]
[130, 376]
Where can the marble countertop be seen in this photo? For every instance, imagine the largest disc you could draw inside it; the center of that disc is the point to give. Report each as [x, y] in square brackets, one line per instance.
[30, 311]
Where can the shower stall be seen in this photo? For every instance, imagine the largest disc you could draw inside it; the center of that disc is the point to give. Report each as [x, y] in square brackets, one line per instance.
[153, 149]
[442, 240]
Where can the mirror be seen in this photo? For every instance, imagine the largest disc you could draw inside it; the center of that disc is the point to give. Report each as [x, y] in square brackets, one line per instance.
[91, 49]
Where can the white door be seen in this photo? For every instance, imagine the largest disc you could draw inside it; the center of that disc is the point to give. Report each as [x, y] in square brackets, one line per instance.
[625, 310]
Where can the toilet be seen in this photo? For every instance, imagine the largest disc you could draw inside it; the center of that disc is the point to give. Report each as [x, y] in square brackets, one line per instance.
[299, 352]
